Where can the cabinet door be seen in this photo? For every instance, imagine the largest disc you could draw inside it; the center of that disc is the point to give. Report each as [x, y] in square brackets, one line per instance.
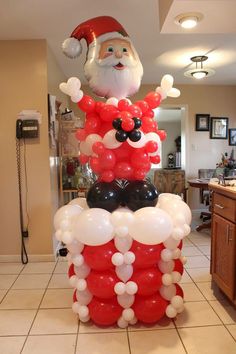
[223, 255]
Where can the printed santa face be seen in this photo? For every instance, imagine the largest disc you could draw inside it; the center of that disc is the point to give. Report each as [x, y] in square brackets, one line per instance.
[113, 68]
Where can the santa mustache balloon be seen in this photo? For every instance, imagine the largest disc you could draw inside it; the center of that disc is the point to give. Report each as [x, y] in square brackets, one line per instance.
[124, 241]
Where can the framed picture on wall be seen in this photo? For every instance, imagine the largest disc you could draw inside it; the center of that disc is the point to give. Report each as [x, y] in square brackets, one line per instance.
[202, 122]
[219, 128]
[232, 136]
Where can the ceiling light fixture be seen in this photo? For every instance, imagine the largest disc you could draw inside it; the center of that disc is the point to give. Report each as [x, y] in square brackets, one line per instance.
[199, 72]
[188, 20]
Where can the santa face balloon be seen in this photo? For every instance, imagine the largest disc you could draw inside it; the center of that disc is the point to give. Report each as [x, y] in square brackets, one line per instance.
[112, 67]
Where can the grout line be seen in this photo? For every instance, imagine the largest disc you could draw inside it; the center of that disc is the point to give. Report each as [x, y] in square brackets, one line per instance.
[129, 346]
[77, 335]
[185, 349]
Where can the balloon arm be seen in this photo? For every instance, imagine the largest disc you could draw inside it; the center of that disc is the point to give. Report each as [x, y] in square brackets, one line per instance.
[72, 89]
[166, 89]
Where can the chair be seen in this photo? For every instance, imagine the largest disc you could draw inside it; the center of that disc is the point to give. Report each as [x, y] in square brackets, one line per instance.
[171, 181]
[205, 196]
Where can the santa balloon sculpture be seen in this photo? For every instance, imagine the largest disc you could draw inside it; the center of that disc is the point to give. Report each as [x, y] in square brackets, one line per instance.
[124, 242]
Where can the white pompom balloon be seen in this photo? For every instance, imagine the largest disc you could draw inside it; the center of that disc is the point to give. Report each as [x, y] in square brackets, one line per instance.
[123, 244]
[167, 292]
[167, 82]
[177, 301]
[171, 311]
[166, 267]
[166, 255]
[113, 101]
[80, 202]
[109, 140]
[119, 288]
[77, 260]
[67, 212]
[82, 271]
[124, 272]
[90, 140]
[131, 287]
[117, 259]
[125, 300]
[83, 311]
[128, 314]
[129, 257]
[75, 247]
[167, 279]
[81, 284]
[84, 297]
[122, 323]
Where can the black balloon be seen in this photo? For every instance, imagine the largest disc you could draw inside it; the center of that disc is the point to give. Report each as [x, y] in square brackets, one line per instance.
[140, 194]
[121, 136]
[137, 122]
[135, 135]
[117, 123]
[104, 195]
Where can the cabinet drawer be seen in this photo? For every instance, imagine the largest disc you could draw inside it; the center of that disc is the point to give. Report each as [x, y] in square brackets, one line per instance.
[224, 206]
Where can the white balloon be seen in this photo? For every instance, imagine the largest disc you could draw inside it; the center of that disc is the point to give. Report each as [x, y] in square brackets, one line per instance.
[178, 233]
[133, 321]
[73, 281]
[77, 260]
[167, 292]
[122, 217]
[176, 277]
[174, 92]
[122, 323]
[75, 247]
[123, 244]
[129, 257]
[124, 272]
[81, 284]
[167, 279]
[75, 307]
[93, 227]
[151, 226]
[138, 144]
[85, 148]
[166, 255]
[180, 309]
[171, 311]
[117, 259]
[82, 271]
[65, 225]
[178, 207]
[167, 82]
[128, 314]
[113, 101]
[67, 237]
[176, 253]
[80, 202]
[85, 319]
[109, 140]
[90, 140]
[125, 300]
[119, 288]
[171, 243]
[177, 301]
[131, 287]
[66, 213]
[153, 137]
[58, 234]
[121, 231]
[84, 297]
[166, 267]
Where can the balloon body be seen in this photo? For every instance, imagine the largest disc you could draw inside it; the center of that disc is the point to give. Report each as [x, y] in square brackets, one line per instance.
[145, 255]
[140, 194]
[148, 280]
[104, 195]
[99, 257]
[104, 312]
[149, 309]
[101, 284]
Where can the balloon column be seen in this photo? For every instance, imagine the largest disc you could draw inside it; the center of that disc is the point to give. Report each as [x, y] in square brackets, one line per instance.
[124, 242]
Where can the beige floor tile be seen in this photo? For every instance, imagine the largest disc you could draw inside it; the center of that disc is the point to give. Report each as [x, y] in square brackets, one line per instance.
[213, 340]
[32, 281]
[187, 242]
[197, 314]
[191, 251]
[6, 280]
[57, 298]
[197, 262]
[225, 311]
[61, 267]
[200, 274]
[200, 238]
[55, 321]
[16, 322]
[232, 329]
[155, 342]
[185, 278]
[164, 323]
[116, 343]
[39, 267]
[205, 250]
[191, 292]
[2, 294]
[90, 327]
[22, 299]
[11, 345]
[210, 291]
[53, 344]
[59, 281]
[11, 268]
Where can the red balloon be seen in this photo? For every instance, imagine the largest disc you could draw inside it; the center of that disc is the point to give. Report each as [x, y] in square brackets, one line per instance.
[83, 159]
[149, 113]
[123, 152]
[135, 110]
[155, 159]
[81, 134]
[148, 280]
[95, 164]
[146, 255]
[139, 174]
[127, 124]
[179, 290]
[153, 99]
[143, 105]
[151, 146]
[107, 160]
[101, 284]
[99, 257]
[162, 134]
[139, 159]
[98, 106]
[125, 115]
[149, 309]
[123, 104]
[123, 170]
[71, 270]
[179, 266]
[180, 246]
[86, 104]
[148, 124]
[104, 312]
[105, 127]
[98, 148]
[107, 176]
[92, 124]
[108, 113]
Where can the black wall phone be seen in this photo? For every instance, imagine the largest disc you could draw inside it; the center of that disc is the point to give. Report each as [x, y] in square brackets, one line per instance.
[27, 129]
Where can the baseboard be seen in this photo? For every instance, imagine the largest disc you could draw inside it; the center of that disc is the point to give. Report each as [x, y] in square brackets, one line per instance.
[31, 257]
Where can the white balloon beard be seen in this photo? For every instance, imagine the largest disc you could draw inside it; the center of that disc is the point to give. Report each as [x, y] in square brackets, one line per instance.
[106, 81]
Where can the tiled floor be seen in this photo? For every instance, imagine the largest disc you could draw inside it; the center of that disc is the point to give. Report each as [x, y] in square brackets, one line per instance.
[36, 315]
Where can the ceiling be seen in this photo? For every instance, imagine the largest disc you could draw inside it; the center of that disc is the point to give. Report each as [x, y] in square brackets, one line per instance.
[162, 45]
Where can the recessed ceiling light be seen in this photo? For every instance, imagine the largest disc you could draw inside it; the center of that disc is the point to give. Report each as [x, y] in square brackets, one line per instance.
[188, 20]
[199, 73]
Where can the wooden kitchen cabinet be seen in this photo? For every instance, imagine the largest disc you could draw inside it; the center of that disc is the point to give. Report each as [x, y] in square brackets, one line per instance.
[223, 246]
